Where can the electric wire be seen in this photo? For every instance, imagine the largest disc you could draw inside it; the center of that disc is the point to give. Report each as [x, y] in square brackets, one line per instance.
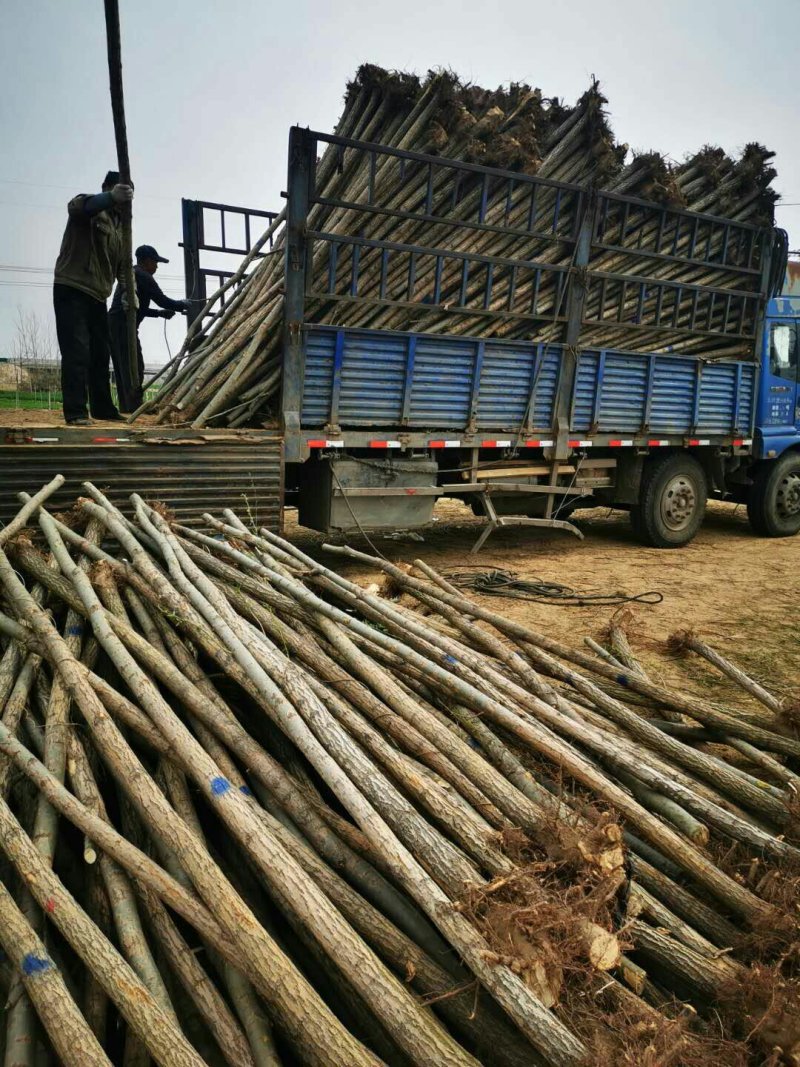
[500, 582]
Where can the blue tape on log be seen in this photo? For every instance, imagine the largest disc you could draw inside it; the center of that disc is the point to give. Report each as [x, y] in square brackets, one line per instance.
[219, 786]
[248, 792]
[450, 659]
[35, 964]
[74, 631]
[622, 679]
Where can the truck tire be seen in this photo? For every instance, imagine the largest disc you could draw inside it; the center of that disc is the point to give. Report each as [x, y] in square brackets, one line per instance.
[672, 501]
[773, 507]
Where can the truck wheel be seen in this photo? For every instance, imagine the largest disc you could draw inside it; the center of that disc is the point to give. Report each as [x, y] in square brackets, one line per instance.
[774, 504]
[672, 501]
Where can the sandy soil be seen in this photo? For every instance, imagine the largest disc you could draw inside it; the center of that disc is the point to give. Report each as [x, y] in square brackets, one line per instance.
[738, 591]
[36, 418]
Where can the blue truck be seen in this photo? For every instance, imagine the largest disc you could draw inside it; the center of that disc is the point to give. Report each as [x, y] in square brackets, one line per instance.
[643, 359]
[701, 401]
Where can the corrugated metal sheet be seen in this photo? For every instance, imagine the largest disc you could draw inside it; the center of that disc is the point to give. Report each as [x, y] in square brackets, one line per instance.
[374, 373]
[747, 397]
[375, 366]
[318, 381]
[585, 390]
[372, 380]
[623, 394]
[442, 383]
[245, 475]
[717, 397]
[672, 401]
[508, 376]
[546, 386]
[505, 384]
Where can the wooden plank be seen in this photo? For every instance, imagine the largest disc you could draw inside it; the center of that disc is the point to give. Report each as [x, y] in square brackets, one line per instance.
[409, 490]
[512, 487]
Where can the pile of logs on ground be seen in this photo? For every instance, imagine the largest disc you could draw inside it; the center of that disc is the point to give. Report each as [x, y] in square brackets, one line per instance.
[228, 372]
[255, 813]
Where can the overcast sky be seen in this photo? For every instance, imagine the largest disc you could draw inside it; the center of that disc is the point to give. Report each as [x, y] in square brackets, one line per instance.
[212, 88]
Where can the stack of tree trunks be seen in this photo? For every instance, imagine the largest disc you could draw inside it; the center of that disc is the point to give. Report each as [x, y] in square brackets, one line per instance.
[252, 812]
[229, 370]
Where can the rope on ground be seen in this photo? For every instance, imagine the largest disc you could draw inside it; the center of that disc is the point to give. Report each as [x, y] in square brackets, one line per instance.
[499, 582]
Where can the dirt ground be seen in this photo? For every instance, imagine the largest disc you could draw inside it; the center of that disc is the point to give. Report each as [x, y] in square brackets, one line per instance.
[40, 418]
[737, 591]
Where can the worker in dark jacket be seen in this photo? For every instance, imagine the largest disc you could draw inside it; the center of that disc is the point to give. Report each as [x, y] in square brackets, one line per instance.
[89, 261]
[147, 291]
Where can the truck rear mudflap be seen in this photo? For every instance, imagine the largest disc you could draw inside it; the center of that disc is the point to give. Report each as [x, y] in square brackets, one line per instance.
[188, 471]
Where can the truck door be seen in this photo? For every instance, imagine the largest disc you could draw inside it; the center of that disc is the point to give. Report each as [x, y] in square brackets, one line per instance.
[782, 393]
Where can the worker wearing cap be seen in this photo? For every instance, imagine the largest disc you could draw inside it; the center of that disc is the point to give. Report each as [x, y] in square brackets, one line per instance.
[89, 261]
[147, 291]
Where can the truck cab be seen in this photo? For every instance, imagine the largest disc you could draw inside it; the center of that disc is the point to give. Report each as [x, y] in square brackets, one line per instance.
[778, 418]
[773, 502]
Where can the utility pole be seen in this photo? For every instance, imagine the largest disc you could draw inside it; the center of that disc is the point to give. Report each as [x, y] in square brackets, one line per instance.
[114, 44]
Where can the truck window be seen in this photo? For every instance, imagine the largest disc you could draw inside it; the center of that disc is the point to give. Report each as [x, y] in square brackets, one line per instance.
[783, 350]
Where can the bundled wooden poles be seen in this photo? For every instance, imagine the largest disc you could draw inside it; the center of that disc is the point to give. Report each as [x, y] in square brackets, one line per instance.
[253, 813]
[229, 370]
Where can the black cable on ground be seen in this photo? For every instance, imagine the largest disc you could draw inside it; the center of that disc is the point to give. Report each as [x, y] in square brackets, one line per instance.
[500, 582]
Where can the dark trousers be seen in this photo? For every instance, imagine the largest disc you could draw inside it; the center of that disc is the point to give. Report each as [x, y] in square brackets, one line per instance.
[130, 396]
[82, 330]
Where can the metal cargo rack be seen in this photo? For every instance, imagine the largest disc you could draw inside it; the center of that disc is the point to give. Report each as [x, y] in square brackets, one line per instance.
[589, 228]
[200, 215]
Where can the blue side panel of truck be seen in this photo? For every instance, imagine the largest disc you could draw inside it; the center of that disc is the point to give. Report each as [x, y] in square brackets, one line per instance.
[361, 378]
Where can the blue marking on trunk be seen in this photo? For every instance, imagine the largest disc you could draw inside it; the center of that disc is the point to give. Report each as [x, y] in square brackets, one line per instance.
[32, 965]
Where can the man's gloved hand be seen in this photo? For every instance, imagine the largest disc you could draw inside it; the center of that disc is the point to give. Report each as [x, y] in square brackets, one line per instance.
[122, 194]
[167, 314]
[187, 307]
